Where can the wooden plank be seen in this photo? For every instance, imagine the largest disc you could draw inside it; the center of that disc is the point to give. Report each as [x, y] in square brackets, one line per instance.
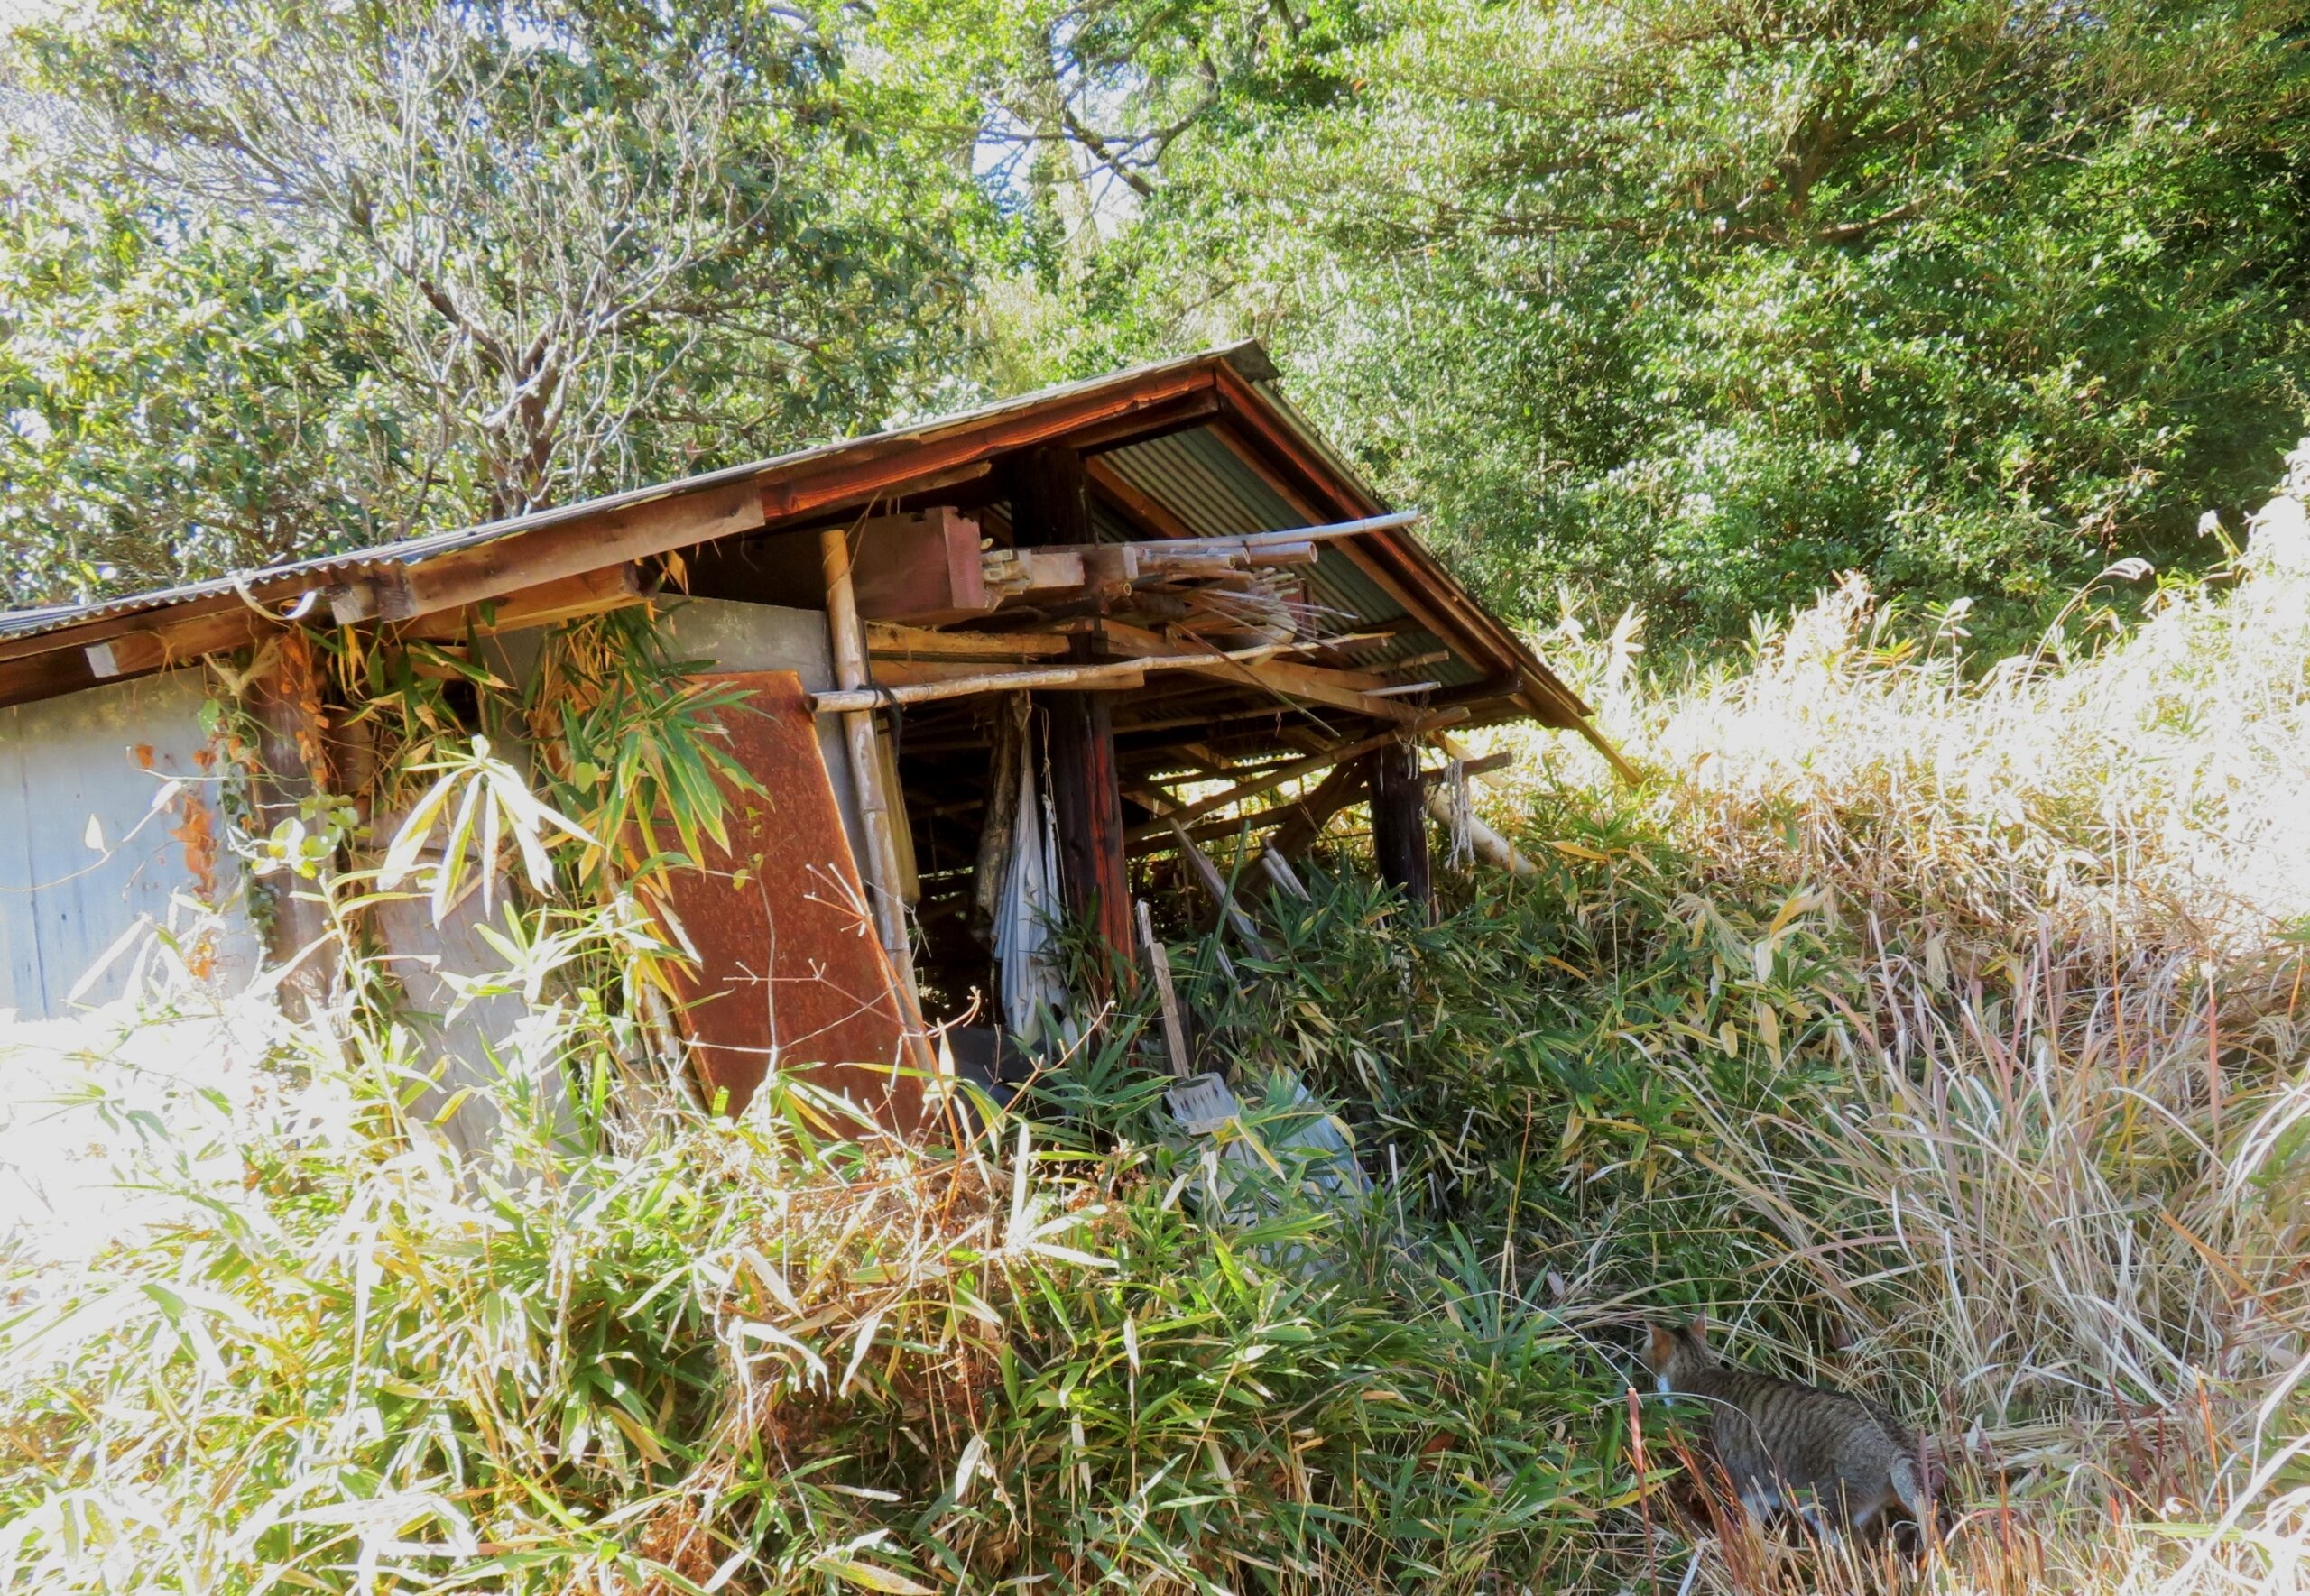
[898, 673]
[1384, 632]
[172, 641]
[1176, 415]
[912, 487]
[1343, 679]
[1158, 965]
[1308, 682]
[1125, 638]
[1221, 714]
[594, 593]
[45, 675]
[1232, 826]
[888, 639]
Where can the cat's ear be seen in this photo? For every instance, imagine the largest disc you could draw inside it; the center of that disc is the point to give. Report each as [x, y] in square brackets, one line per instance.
[1660, 1346]
[1699, 1328]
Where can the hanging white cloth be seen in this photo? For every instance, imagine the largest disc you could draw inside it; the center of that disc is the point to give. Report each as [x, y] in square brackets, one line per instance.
[1463, 816]
[1034, 997]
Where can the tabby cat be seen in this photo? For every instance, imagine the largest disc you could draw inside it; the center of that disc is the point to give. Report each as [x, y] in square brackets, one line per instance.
[1840, 1462]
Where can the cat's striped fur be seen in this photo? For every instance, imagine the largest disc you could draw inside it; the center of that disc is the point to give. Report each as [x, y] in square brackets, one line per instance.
[1838, 1460]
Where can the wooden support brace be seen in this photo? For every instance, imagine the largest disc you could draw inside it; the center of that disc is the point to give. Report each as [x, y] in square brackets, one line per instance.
[1230, 912]
[1306, 818]
[1295, 769]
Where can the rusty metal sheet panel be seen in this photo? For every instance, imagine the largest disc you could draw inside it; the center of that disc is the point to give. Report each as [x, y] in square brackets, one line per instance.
[790, 974]
[104, 754]
[725, 636]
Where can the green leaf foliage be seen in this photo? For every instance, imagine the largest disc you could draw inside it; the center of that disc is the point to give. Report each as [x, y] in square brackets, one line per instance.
[1697, 304]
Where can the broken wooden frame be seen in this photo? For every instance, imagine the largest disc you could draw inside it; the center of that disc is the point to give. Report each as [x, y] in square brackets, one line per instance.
[1184, 584]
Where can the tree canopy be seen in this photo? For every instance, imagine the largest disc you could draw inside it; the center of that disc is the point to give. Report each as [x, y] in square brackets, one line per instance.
[1690, 303]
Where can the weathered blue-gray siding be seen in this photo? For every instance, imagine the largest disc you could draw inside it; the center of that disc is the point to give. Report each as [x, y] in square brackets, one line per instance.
[63, 904]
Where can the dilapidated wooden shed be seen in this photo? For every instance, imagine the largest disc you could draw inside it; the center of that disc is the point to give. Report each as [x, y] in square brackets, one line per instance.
[987, 663]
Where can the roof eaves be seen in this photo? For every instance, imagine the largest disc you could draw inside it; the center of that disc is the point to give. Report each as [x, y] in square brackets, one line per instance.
[282, 580]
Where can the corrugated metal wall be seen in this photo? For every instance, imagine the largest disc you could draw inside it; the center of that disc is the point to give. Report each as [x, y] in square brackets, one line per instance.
[104, 754]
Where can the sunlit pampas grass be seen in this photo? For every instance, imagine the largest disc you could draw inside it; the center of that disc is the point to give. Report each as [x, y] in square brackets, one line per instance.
[2061, 1206]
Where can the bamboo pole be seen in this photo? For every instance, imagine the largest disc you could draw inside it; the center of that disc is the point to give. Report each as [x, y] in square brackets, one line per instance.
[880, 865]
[849, 699]
[1490, 847]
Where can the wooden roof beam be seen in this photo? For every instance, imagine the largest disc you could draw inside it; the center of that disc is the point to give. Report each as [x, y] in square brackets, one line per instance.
[882, 467]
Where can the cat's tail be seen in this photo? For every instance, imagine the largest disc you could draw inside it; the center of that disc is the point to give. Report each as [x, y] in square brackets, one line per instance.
[1909, 1484]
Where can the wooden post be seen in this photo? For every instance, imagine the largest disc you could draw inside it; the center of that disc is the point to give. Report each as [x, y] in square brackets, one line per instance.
[1051, 502]
[1088, 801]
[879, 868]
[1050, 498]
[1400, 824]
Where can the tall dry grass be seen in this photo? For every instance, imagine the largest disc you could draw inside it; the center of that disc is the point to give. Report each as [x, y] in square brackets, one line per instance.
[2062, 1203]
[1938, 1027]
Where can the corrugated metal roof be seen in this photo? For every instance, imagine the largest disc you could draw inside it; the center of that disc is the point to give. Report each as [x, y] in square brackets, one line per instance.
[1195, 474]
[1208, 486]
[1249, 357]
